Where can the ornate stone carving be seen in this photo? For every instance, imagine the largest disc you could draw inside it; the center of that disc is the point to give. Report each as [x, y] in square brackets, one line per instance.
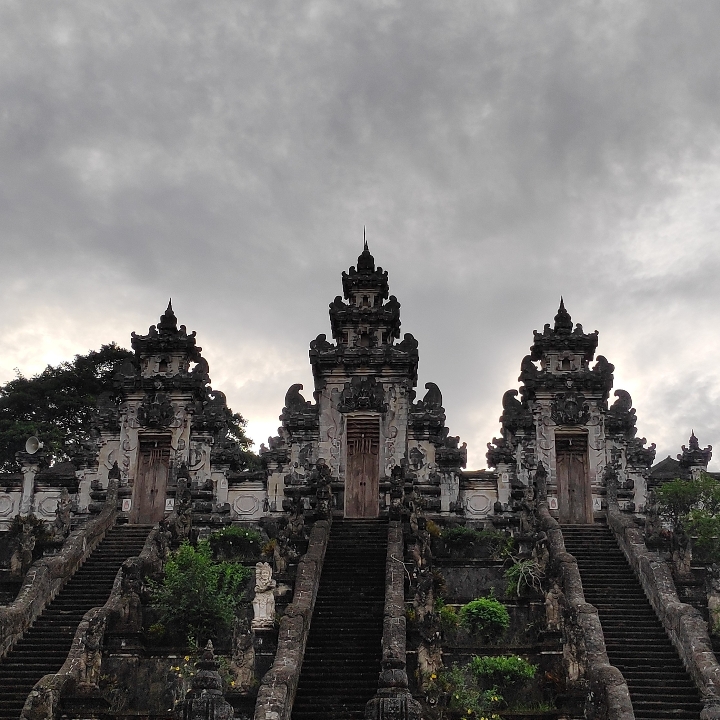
[61, 526]
[363, 393]
[299, 416]
[500, 452]
[693, 455]
[320, 480]
[204, 700]
[570, 408]
[156, 411]
[620, 418]
[516, 415]
[636, 455]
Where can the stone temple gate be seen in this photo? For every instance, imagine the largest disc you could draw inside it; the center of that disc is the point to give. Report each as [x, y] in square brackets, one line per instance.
[162, 431]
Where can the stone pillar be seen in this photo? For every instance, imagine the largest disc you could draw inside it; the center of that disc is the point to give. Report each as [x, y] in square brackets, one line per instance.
[30, 467]
[204, 700]
[393, 700]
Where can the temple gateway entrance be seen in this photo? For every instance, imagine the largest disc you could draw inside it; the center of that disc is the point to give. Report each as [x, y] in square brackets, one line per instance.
[362, 481]
[574, 493]
[148, 503]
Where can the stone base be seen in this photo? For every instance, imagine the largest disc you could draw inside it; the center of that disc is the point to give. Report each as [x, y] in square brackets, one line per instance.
[393, 705]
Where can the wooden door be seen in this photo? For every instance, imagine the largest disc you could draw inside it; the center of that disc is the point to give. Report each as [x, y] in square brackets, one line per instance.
[148, 505]
[362, 477]
[574, 493]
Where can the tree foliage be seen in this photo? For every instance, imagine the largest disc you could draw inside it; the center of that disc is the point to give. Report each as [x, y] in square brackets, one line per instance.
[57, 405]
[692, 508]
[198, 596]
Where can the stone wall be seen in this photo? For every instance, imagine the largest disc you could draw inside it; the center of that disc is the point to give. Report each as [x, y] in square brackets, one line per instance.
[48, 575]
[683, 623]
[278, 686]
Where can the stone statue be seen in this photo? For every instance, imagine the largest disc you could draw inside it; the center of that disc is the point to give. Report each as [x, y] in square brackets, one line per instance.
[61, 526]
[22, 558]
[264, 600]
[553, 612]
[242, 663]
[181, 522]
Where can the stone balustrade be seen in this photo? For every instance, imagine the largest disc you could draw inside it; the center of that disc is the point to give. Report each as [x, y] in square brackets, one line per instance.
[279, 684]
[47, 576]
[606, 681]
[80, 673]
[683, 623]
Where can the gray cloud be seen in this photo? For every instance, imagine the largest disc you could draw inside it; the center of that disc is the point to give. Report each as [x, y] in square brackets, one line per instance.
[500, 153]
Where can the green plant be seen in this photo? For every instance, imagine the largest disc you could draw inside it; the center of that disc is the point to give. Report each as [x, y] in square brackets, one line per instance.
[502, 670]
[459, 537]
[433, 528]
[198, 596]
[449, 619]
[456, 689]
[485, 616]
[692, 507]
[238, 540]
[523, 575]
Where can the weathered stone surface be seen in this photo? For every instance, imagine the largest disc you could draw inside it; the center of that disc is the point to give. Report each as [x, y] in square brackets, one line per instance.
[204, 700]
[47, 576]
[278, 686]
[81, 671]
[684, 624]
[586, 654]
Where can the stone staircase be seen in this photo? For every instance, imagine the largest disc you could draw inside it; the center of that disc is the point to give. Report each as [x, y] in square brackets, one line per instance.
[636, 640]
[45, 645]
[342, 658]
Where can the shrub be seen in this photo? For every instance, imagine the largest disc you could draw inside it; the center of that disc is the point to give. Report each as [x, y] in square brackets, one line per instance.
[502, 670]
[198, 596]
[449, 619]
[456, 688]
[523, 575]
[236, 540]
[498, 543]
[485, 616]
[433, 529]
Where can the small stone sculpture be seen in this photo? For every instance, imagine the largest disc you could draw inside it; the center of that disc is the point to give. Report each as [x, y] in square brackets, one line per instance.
[22, 558]
[61, 526]
[264, 600]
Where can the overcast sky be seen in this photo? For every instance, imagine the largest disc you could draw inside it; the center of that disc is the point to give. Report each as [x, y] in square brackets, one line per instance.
[228, 154]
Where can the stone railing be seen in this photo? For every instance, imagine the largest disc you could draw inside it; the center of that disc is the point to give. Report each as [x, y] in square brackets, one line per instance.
[80, 674]
[683, 623]
[47, 576]
[393, 699]
[605, 679]
[276, 693]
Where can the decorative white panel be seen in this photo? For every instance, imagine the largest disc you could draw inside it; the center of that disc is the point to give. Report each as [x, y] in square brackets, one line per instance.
[7, 505]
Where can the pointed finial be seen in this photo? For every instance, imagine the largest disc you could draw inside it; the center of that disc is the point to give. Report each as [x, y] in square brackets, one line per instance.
[365, 245]
[563, 321]
[169, 307]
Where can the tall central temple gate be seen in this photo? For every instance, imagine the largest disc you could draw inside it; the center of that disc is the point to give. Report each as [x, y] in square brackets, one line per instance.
[364, 421]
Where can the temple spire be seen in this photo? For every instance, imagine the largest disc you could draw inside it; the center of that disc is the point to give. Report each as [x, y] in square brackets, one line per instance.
[563, 321]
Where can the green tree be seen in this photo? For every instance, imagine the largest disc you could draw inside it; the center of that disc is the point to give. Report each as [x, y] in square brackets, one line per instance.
[692, 508]
[198, 596]
[57, 405]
